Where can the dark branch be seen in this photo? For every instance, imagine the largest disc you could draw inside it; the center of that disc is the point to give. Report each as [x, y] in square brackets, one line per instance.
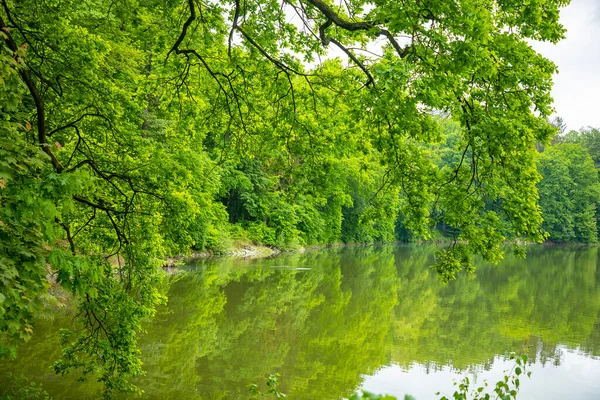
[356, 61]
[68, 232]
[33, 91]
[233, 25]
[71, 124]
[186, 25]
[333, 17]
[278, 63]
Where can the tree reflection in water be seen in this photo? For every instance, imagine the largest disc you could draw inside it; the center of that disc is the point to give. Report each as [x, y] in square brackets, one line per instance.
[346, 313]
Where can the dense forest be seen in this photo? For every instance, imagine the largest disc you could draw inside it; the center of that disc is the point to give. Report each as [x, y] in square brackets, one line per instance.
[137, 130]
[570, 190]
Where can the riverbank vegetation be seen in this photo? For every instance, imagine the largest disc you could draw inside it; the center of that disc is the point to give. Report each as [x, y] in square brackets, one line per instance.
[136, 130]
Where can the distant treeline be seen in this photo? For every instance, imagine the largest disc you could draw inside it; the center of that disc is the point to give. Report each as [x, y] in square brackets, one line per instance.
[569, 190]
[339, 194]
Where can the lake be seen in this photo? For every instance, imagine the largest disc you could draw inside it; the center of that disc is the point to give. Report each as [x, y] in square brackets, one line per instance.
[332, 321]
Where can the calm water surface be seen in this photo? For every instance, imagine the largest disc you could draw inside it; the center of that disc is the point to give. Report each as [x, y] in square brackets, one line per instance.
[332, 321]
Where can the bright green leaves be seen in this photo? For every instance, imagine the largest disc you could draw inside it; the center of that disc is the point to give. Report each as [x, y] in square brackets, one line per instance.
[111, 317]
[469, 59]
[475, 203]
[151, 146]
[92, 223]
[569, 193]
[452, 260]
[271, 392]
[11, 87]
[24, 212]
[536, 19]
[505, 389]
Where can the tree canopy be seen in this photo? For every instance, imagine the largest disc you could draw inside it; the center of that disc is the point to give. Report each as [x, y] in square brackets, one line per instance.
[133, 130]
[569, 192]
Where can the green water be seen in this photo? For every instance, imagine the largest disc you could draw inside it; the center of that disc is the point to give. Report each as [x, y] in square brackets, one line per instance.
[375, 317]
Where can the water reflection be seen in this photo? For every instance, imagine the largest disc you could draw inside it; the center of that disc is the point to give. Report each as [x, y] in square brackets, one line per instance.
[330, 318]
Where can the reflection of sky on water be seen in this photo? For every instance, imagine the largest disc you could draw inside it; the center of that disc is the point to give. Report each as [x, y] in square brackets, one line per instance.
[577, 377]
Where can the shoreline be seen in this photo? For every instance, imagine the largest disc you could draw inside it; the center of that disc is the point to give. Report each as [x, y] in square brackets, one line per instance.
[257, 251]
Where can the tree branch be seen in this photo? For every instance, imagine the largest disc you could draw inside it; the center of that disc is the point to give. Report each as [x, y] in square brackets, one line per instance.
[37, 99]
[186, 25]
[333, 17]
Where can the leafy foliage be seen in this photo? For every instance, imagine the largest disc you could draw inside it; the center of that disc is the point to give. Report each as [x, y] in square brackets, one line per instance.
[135, 130]
[505, 389]
[272, 381]
[569, 193]
[19, 387]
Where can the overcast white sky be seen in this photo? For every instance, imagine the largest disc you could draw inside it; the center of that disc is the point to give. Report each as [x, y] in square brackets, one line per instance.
[577, 85]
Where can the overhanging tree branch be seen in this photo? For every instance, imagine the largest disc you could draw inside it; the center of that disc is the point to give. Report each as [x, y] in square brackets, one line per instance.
[334, 18]
[35, 95]
[186, 25]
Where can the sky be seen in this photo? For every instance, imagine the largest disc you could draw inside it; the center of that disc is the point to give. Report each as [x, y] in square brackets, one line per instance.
[577, 85]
